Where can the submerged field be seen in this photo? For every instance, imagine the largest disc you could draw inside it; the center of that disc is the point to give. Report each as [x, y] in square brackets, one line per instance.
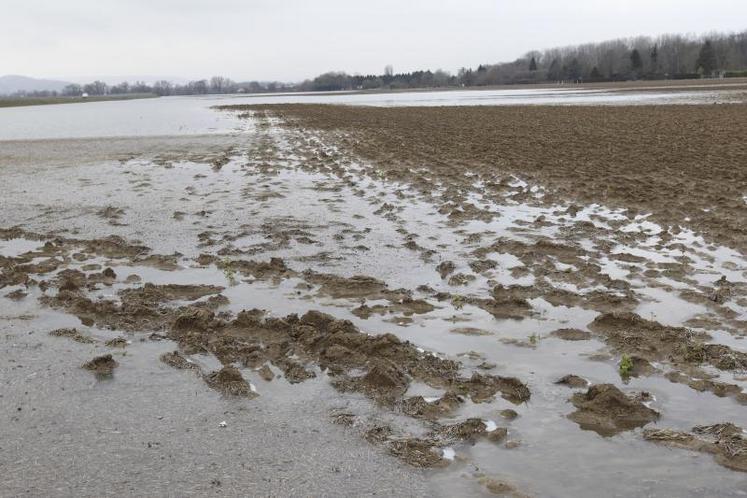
[518, 301]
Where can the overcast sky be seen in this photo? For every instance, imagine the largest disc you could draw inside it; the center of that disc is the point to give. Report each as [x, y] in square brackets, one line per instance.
[291, 40]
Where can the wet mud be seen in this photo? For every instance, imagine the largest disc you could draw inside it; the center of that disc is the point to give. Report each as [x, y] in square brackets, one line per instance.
[646, 158]
[726, 442]
[608, 411]
[102, 365]
[489, 315]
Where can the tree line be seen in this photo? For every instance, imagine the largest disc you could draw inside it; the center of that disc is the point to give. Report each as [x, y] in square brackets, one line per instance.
[216, 84]
[663, 57]
[653, 58]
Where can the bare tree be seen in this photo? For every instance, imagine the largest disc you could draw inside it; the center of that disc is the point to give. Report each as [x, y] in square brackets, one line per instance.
[72, 90]
[162, 88]
[96, 88]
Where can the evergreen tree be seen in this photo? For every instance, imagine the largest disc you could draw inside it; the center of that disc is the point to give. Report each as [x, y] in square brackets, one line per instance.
[553, 74]
[635, 60]
[706, 63]
[533, 64]
[573, 70]
[654, 59]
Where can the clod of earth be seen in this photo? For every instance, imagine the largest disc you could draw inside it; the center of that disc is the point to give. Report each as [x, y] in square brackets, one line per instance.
[497, 435]
[177, 360]
[647, 341]
[418, 407]
[16, 295]
[508, 414]
[426, 451]
[117, 342]
[102, 365]
[726, 442]
[571, 334]
[469, 331]
[266, 373]
[355, 287]
[417, 452]
[629, 333]
[462, 431]
[229, 381]
[607, 411]
[573, 381]
[501, 488]
[73, 334]
[407, 306]
[275, 269]
[445, 268]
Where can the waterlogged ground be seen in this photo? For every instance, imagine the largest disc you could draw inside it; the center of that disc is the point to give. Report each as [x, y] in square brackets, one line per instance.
[356, 332]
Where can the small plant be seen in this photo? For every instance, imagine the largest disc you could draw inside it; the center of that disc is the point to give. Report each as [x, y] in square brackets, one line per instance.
[626, 366]
[228, 271]
[457, 302]
[534, 338]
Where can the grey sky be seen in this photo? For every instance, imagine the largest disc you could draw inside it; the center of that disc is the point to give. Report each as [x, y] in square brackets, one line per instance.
[295, 39]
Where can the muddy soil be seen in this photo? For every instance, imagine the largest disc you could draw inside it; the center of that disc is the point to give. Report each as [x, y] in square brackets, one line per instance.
[102, 365]
[644, 159]
[486, 297]
[608, 411]
[726, 442]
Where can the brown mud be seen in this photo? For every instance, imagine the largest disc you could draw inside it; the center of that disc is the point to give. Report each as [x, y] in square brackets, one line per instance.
[607, 411]
[381, 367]
[436, 292]
[73, 334]
[726, 442]
[101, 365]
[177, 360]
[228, 380]
[682, 349]
[645, 158]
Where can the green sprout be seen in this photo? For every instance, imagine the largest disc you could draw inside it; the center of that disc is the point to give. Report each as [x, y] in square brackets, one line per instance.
[228, 271]
[457, 302]
[626, 366]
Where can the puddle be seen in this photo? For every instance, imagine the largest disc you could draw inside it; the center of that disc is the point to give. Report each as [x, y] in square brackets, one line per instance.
[15, 247]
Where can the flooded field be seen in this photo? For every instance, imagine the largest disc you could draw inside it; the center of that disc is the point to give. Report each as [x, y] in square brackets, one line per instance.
[291, 302]
[192, 115]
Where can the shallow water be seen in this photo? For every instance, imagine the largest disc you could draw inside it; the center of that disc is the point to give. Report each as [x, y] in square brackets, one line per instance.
[15, 247]
[191, 115]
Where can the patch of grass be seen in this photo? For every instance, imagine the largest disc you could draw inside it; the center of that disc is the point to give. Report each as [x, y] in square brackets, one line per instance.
[228, 271]
[626, 366]
[458, 302]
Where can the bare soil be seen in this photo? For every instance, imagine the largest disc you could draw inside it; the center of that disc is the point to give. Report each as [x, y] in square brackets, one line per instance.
[675, 161]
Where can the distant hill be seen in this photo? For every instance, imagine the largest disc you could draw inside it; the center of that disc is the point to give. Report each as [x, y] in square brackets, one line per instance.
[11, 83]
